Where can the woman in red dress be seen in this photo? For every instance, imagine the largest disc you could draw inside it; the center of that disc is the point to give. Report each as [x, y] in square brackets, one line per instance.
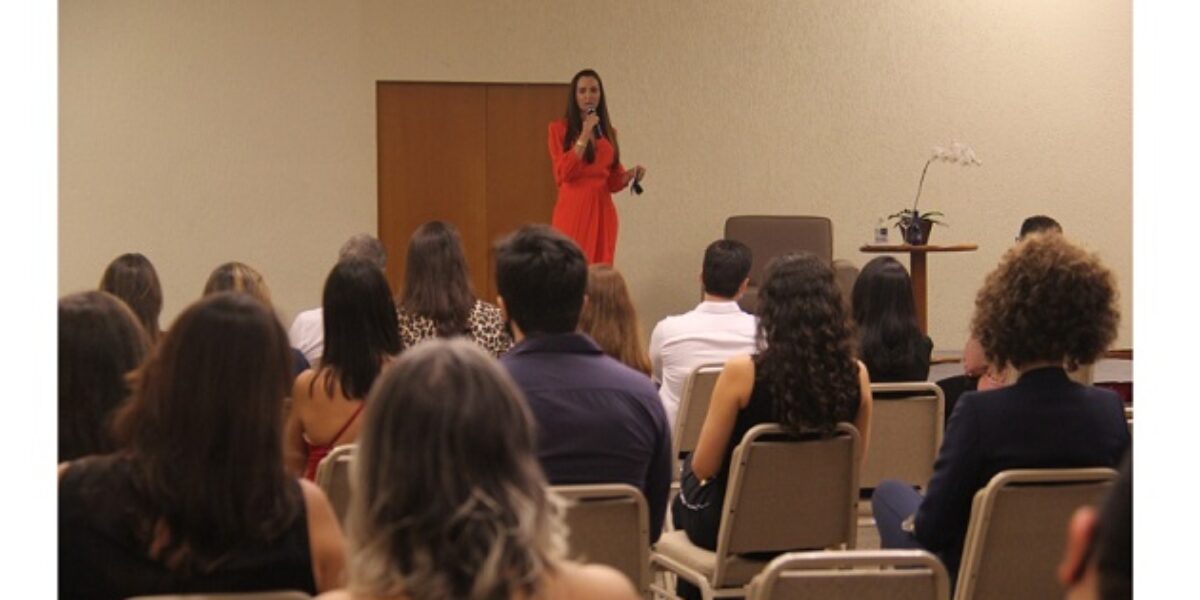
[587, 170]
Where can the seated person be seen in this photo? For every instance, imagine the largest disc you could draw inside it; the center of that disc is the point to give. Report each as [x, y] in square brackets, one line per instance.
[1047, 304]
[890, 341]
[805, 377]
[198, 501]
[360, 338]
[1098, 560]
[437, 299]
[240, 277]
[598, 420]
[99, 342]
[609, 318]
[308, 332]
[132, 278]
[716, 330]
[449, 501]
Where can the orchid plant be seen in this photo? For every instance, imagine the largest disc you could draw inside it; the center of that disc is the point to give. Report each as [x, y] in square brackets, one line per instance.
[908, 219]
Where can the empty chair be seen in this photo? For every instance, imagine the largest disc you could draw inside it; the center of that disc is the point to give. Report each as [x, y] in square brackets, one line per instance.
[333, 477]
[783, 494]
[1015, 536]
[858, 574]
[906, 432]
[771, 236]
[609, 524]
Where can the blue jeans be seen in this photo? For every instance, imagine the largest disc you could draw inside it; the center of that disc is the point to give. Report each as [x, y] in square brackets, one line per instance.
[892, 503]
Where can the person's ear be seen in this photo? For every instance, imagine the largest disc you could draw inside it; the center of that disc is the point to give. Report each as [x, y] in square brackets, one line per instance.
[742, 288]
[1080, 531]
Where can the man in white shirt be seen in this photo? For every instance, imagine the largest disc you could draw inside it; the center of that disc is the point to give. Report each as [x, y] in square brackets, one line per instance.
[307, 333]
[714, 331]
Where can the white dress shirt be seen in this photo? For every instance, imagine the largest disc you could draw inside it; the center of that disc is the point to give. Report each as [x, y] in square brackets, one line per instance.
[713, 332]
[308, 335]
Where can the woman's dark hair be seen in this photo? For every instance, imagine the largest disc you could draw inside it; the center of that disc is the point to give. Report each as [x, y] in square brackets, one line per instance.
[575, 120]
[806, 356]
[360, 323]
[436, 282]
[133, 279]
[890, 340]
[100, 341]
[1047, 301]
[449, 499]
[204, 432]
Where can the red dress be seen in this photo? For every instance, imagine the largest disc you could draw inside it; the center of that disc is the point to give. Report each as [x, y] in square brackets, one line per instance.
[585, 210]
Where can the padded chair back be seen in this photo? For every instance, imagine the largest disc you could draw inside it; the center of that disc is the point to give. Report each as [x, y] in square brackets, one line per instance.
[1015, 537]
[771, 236]
[280, 595]
[333, 477]
[858, 574]
[787, 494]
[693, 406]
[906, 433]
[610, 525]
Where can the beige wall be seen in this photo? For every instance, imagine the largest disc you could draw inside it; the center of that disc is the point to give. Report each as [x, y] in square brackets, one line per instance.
[198, 134]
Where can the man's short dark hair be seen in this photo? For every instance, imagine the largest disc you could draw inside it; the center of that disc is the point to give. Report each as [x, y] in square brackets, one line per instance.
[542, 276]
[726, 266]
[1038, 224]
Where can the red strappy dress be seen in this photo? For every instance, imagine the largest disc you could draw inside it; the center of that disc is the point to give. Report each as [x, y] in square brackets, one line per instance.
[318, 451]
[585, 210]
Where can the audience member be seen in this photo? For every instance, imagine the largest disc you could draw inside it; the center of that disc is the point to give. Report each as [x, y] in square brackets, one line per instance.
[609, 318]
[805, 378]
[307, 331]
[449, 501]
[133, 279]
[99, 342]
[598, 420]
[199, 501]
[360, 337]
[1047, 304]
[437, 300]
[242, 278]
[1098, 561]
[716, 330]
[890, 342]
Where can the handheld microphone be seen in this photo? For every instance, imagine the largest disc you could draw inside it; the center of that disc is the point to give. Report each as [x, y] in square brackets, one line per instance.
[591, 110]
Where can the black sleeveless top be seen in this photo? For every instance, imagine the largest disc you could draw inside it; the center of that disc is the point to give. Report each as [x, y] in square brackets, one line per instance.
[100, 555]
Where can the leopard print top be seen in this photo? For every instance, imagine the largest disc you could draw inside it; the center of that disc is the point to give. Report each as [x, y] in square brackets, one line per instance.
[486, 328]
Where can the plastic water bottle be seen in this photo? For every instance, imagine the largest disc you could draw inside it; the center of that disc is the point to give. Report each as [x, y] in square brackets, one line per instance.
[881, 232]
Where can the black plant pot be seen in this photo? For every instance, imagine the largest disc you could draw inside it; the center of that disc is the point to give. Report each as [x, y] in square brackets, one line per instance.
[917, 233]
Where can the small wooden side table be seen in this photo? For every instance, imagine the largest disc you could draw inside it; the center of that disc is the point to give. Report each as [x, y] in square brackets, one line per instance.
[918, 271]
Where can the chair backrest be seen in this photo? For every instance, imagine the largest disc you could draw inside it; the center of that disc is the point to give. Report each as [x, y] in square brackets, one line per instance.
[1018, 522]
[333, 477]
[279, 595]
[693, 406]
[789, 494]
[906, 433]
[609, 524]
[771, 236]
[858, 574]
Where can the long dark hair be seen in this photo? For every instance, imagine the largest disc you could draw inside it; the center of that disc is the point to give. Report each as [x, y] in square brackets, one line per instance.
[360, 327]
[575, 120]
[889, 337]
[806, 340]
[204, 432]
[436, 283]
[449, 499]
[99, 342]
[132, 278]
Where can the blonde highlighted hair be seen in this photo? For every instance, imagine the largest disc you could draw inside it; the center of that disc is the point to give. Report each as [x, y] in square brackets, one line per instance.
[609, 317]
[238, 277]
[449, 499]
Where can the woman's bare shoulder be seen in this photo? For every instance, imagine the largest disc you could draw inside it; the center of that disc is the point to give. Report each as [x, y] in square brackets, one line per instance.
[585, 582]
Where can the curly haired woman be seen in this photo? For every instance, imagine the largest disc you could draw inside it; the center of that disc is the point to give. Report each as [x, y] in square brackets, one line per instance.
[1048, 304]
[804, 377]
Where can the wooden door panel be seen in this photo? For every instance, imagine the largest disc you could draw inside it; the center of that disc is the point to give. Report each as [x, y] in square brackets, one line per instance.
[432, 165]
[520, 184]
